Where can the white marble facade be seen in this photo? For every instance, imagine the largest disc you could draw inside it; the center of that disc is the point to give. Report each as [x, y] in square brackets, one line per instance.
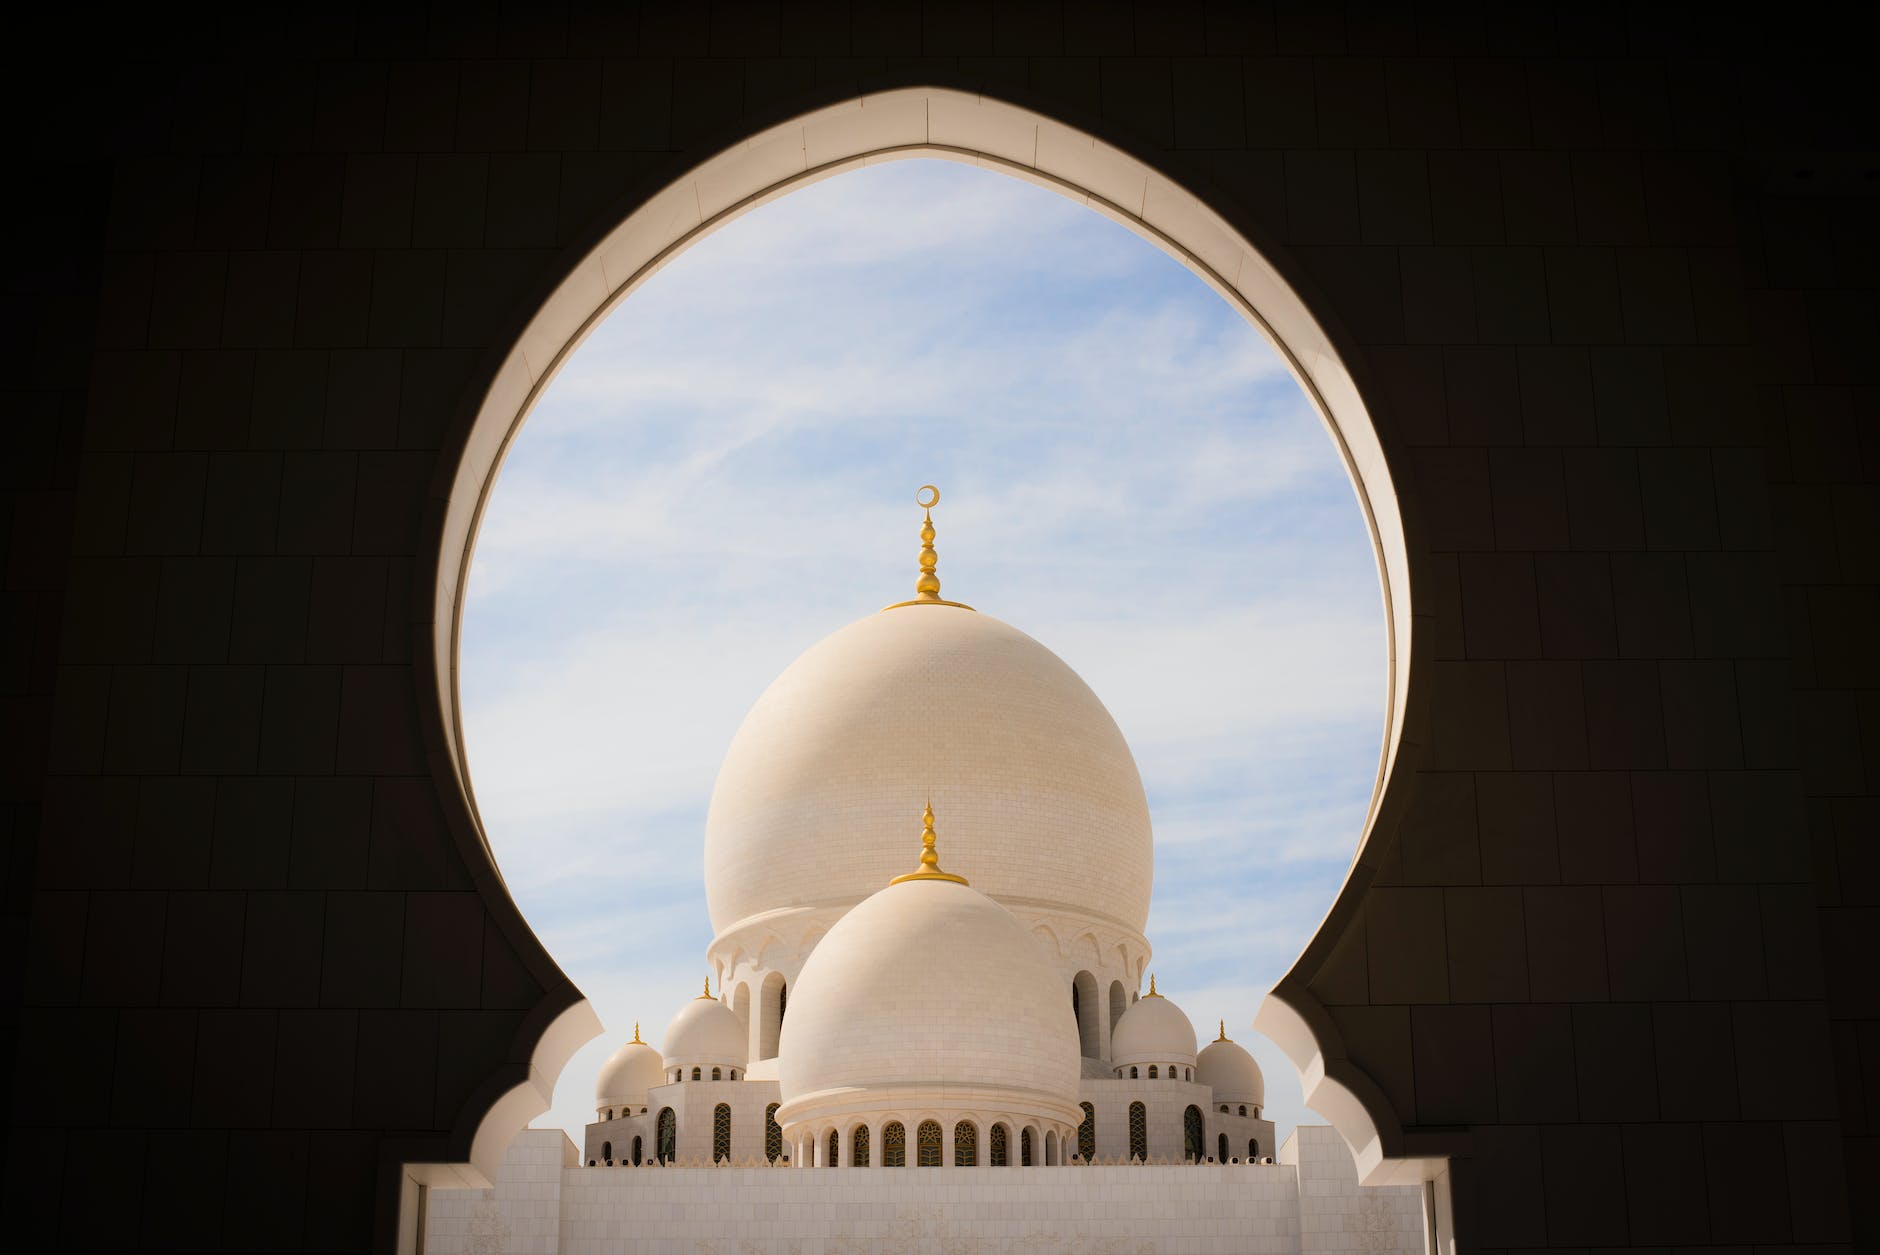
[1309, 1202]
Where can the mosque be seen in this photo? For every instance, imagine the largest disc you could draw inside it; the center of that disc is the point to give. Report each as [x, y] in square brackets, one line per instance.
[966, 995]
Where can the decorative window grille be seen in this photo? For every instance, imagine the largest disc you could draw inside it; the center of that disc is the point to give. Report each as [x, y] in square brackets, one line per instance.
[1152, 1072]
[894, 1145]
[607, 1152]
[1253, 1149]
[1024, 1149]
[858, 1155]
[1087, 1133]
[721, 1132]
[773, 1134]
[636, 1152]
[965, 1145]
[927, 1144]
[1191, 1134]
[668, 1135]
[718, 1074]
[1223, 1142]
[997, 1155]
[1138, 1131]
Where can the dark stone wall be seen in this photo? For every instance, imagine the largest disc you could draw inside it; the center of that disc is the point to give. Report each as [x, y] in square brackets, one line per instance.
[1607, 277]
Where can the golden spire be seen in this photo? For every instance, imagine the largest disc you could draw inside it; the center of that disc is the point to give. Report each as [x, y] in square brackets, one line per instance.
[636, 1034]
[1152, 993]
[708, 988]
[927, 587]
[1224, 1036]
[929, 859]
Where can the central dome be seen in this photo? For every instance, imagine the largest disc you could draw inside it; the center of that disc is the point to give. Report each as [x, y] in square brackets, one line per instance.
[1042, 796]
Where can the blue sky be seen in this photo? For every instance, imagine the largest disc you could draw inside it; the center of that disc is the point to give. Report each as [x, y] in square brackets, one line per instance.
[723, 474]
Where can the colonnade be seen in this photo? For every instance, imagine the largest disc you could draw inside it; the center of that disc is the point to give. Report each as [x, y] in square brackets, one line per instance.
[1051, 1145]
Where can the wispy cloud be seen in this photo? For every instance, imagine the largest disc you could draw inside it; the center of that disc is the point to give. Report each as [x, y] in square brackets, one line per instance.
[721, 476]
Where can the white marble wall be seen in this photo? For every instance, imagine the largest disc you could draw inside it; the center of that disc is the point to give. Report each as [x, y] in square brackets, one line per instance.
[1337, 1216]
[544, 1204]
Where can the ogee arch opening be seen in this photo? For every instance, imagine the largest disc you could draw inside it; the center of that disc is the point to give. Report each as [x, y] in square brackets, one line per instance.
[957, 126]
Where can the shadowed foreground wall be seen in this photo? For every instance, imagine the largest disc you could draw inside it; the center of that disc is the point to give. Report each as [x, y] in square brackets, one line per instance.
[1608, 286]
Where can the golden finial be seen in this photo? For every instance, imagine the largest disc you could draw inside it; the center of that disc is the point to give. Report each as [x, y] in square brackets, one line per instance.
[927, 587]
[929, 858]
[1223, 1036]
[708, 988]
[636, 1034]
[1152, 993]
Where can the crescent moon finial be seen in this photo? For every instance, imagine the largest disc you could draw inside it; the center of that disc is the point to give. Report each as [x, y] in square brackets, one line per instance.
[927, 587]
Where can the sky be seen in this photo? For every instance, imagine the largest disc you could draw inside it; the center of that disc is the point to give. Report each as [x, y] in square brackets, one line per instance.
[724, 473]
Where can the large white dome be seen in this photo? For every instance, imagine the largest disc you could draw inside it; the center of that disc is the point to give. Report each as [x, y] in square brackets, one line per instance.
[1042, 799]
[928, 994]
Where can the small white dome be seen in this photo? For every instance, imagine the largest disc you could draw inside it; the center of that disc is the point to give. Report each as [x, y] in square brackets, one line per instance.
[1153, 1030]
[628, 1073]
[1225, 1067]
[928, 995]
[706, 1033]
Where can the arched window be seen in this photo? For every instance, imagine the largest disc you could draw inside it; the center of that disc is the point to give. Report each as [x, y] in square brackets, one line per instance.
[721, 1132]
[607, 1152]
[927, 1144]
[1190, 1074]
[1152, 1075]
[894, 1145]
[1253, 1149]
[1224, 1109]
[1243, 1109]
[835, 1150]
[667, 1133]
[858, 1147]
[965, 1145]
[1138, 1131]
[636, 1152]
[1191, 1134]
[1087, 1010]
[996, 1153]
[1223, 1154]
[1024, 1148]
[734, 1074]
[717, 1075]
[1087, 1133]
[696, 1075]
[773, 1133]
[1132, 1071]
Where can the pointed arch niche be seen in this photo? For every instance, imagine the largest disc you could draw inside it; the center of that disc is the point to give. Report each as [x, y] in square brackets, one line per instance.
[997, 135]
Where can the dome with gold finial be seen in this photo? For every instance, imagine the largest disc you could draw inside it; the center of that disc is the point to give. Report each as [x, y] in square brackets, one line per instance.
[705, 1034]
[1226, 1067]
[627, 1075]
[1154, 1031]
[928, 996]
[1042, 796]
